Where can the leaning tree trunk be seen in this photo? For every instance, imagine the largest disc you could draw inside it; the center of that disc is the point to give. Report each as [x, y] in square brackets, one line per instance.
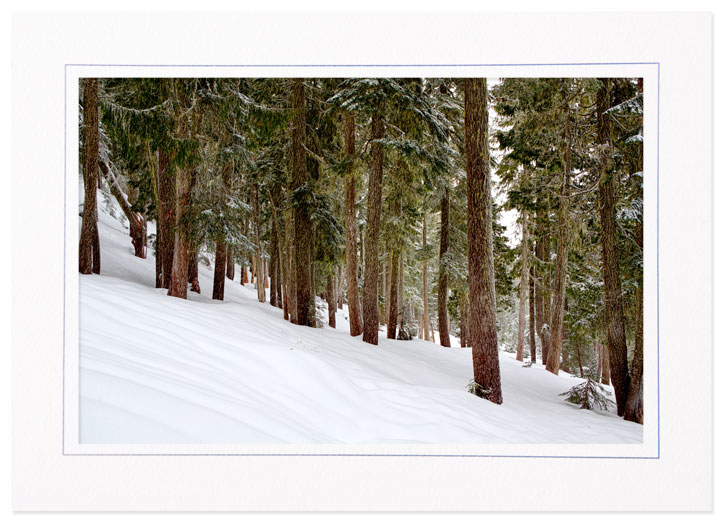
[302, 225]
[372, 233]
[443, 273]
[532, 315]
[486, 371]
[136, 222]
[523, 289]
[88, 251]
[616, 338]
[351, 231]
[562, 253]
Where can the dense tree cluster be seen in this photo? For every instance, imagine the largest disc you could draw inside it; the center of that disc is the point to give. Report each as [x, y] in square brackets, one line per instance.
[387, 194]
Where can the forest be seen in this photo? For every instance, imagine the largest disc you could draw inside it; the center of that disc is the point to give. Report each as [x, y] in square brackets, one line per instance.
[503, 216]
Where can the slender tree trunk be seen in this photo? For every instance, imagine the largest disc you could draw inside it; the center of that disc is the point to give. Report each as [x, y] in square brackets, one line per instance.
[351, 231]
[616, 339]
[486, 371]
[606, 375]
[136, 223]
[372, 233]
[401, 288]
[88, 255]
[532, 315]
[600, 355]
[290, 294]
[465, 321]
[426, 309]
[194, 268]
[220, 265]
[523, 288]
[331, 300]
[258, 262]
[274, 298]
[302, 224]
[562, 253]
[443, 274]
[393, 294]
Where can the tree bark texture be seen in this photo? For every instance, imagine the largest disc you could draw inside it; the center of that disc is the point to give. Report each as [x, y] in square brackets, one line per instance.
[372, 233]
[443, 273]
[89, 250]
[486, 371]
[302, 224]
[351, 232]
[523, 288]
[613, 304]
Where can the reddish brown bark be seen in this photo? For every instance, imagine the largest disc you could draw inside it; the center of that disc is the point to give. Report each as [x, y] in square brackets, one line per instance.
[486, 371]
[220, 264]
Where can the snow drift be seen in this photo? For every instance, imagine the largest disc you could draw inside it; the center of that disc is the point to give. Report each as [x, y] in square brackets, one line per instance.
[157, 369]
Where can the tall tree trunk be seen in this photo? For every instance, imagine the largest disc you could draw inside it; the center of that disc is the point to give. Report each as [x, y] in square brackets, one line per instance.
[290, 287]
[180, 265]
[274, 296]
[302, 225]
[616, 338]
[401, 288]
[393, 294]
[372, 233]
[543, 299]
[532, 315]
[426, 310]
[351, 231]
[167, 217]
[220, 266]
[443, 273]
[523, 288]
[331, 298]
[562, 251]
[88, 255]
[486, 371]
[258, 262]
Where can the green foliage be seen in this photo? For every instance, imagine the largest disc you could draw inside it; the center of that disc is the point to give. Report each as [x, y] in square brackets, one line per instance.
[589, 395]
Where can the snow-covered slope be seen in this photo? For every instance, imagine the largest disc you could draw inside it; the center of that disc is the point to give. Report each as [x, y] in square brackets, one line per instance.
[156, 369]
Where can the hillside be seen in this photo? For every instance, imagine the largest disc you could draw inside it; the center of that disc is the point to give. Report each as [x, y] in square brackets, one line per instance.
[158, 369]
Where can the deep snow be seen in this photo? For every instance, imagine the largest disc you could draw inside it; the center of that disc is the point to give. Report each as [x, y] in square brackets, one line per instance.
[157, 369]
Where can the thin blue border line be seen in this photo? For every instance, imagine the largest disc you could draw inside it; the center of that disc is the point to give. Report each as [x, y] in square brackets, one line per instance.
[373, 65]
[658, 261]
[65, 226]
